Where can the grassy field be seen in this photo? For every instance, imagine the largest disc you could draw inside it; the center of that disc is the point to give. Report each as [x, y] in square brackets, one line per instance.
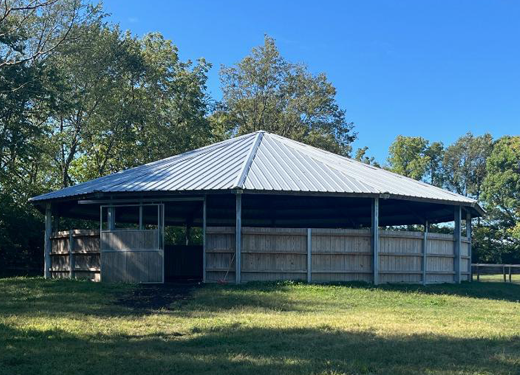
[71, 327]
[499, 278]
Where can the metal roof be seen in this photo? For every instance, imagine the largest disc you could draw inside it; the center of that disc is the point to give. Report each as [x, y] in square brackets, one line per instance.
[262, 162]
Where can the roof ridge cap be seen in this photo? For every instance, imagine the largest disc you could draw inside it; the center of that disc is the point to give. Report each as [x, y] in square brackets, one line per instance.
[249, 160]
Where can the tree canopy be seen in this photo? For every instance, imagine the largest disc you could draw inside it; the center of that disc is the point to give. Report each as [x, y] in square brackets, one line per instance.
[266, 92]
[415, 157]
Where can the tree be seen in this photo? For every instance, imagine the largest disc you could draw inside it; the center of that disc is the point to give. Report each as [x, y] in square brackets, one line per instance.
[464, 164]
[30, 33]
[407, 156]
[435, 154]
[266, 92]
[502, 185]
[32, 29]
[92, 102]
[130, 101]
[362, 157]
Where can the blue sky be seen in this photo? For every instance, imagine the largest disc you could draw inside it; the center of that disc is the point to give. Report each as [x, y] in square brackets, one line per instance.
[435, 69]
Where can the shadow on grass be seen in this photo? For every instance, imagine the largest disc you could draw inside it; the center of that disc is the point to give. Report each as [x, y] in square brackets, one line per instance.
[242, 350]
[36, 296]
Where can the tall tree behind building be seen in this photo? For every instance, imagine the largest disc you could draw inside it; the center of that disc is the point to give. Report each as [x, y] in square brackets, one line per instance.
[464, 164]
[416, 158]
[266, 92]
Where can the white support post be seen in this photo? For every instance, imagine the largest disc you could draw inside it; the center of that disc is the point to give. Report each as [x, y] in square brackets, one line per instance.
[375, 239]
[72, 258]
[238, 238]
[204, 214]
[111, 218]
[309, 255]
[468, 234]
[187, 238]
[47, 248]
[457, 245]
[425, 251]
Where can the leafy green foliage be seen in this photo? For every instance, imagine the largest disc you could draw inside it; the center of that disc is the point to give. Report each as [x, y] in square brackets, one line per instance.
[265, 92]
[89, 101]
[131, 101]
[361, 155]
[465, 164]
[501, 189]
[414, 157]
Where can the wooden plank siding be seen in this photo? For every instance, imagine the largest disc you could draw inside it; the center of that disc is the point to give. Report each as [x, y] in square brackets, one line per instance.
[336, 255]
[86, 253]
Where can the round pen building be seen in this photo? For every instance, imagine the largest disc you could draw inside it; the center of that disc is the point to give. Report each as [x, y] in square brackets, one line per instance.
[263, 207]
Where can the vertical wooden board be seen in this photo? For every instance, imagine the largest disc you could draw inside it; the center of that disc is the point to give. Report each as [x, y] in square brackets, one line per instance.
[107, 267]
[59, 263]
[439, 278]
[464, 250]
[340, 277]
[158, 259]
[437, 264]
[274, 276]
[464, 266]
[219, 276]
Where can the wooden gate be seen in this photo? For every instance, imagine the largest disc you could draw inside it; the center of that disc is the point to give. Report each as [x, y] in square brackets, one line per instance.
[132, 254]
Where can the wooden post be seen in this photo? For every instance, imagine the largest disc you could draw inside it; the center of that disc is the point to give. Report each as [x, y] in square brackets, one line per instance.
[72, 258]
[478, 273]
[504, 272]
[375, 239]
[457, 245]
[510, 279]
[238, 238]
[204, 239]
[141, 226]
[309, 255]
[425, 249]
[470, 253]
[47, 249]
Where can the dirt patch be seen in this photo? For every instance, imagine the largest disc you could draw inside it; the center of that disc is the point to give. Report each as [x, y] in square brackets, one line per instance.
[150, 298]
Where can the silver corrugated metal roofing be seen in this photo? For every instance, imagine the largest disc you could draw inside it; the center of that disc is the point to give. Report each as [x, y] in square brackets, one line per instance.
[261, 161]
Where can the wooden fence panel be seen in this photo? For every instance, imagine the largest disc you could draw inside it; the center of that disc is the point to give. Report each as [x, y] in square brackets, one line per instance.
[400, 257]
[85, 250]
[341, 255]
[274, 254]
[336, 255]
[220, 251]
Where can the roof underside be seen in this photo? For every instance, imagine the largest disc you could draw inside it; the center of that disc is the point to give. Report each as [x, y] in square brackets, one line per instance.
[261, 162]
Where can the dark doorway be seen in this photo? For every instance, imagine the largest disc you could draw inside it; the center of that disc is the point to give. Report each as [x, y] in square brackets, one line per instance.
[183, 250]
[182, 262]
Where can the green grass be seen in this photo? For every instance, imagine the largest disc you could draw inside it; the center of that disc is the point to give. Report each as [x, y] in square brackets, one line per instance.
[499, 278]
[73, 327]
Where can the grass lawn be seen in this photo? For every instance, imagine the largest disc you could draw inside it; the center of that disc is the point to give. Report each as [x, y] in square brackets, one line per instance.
[499, 278]
[72, 327]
